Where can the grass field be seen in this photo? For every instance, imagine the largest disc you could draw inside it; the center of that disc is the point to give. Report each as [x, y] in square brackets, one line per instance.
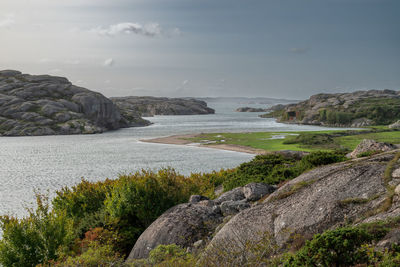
[303, 141]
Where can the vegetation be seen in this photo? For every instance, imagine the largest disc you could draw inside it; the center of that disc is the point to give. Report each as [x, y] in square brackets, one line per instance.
[302, 141]
[276, 168]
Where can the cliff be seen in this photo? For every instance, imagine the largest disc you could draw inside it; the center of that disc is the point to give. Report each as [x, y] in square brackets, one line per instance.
[357, 109]
[147, 106]
[48, 105]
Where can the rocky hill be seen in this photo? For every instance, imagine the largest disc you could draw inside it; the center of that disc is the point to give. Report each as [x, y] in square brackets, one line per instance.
[357, 109]
[48, 105]
[353, 192]
[147, 106]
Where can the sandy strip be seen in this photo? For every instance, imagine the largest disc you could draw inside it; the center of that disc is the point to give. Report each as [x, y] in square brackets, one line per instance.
[181, 140]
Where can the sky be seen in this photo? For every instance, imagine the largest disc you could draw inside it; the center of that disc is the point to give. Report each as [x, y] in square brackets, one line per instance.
[267, 48]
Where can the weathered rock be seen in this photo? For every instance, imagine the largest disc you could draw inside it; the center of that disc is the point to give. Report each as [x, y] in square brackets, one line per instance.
[340, 110]
[197, 198]
[315, 201]
[255, 191]
[48, 105]
[391, 238]
[183, 225]
[367, 145]
[233, 207]
[395, 125]
[233, 195]
[149, 106]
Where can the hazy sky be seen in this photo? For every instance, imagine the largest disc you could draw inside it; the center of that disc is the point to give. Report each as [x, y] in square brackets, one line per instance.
[280, 48]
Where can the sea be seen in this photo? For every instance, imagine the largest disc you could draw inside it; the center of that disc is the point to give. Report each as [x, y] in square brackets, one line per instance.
[45, 164]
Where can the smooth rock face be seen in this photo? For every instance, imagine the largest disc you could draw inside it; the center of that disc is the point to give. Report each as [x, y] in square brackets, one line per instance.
[315, 201]
[367, 145]
[183, 225]
[255, 191]
[149, 106]
[391, 238]
[48, 105]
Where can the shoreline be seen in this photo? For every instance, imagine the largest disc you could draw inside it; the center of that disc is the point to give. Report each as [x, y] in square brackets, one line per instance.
[182, 140]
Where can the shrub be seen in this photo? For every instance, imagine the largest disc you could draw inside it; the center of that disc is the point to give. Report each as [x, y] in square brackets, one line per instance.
[275, 168]
[38, 238]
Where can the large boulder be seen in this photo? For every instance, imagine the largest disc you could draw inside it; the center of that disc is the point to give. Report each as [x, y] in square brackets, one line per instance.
[395, 125]
[186, 224]
[321, 199]
[183, 225]
[368, 145]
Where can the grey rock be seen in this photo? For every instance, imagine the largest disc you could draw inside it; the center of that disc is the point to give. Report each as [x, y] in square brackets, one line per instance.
[233, 195]
[371, 145]
[233, 207]
[183, 225]
[391, 238]
[44, 105]
[197, 198]
[255, 191]
[249, 109]
[315, 201]
[395, 125]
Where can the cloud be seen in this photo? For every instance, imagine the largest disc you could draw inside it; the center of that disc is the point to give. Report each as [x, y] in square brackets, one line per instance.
[108, 62]
[299, 50]
[55, 71]
[149, 30]
[7, 21]
[45, 60]
[185, 82]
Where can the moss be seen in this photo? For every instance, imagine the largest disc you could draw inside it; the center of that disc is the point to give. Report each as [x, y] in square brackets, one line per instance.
[349, 201]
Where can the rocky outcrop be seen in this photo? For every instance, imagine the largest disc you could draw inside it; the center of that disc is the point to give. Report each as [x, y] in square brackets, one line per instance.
[372, 146]
[357, 109]
[49, 105]
[187, 224]
[395, 125]
[249, 109]
[147, 106]
[324, 198]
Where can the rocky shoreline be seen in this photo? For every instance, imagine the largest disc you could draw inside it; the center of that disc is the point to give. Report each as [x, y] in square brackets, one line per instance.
[34, 105]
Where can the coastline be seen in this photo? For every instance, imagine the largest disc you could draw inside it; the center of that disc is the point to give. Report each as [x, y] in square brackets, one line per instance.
[183, 140]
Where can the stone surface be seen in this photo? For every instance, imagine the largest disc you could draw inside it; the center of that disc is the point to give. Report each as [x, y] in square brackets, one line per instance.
[188, 224]
[368, 145]
[309, 111]
[183, 225]
[395, 125]
[255, 191]
[233, 195]
[48, 105]
[391, 238]
[197, 198]
[149, 106]
[314, 202]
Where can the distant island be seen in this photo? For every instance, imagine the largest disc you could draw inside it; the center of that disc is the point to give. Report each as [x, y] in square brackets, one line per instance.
[357, 109]
[32, 105]
[250, 109]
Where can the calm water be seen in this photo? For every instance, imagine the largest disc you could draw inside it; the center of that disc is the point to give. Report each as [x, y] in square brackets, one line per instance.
[51, 162]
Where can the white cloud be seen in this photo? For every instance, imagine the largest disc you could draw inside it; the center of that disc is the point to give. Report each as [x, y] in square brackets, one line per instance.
[7, 21]
[108, 62]
[149, 29]
[185, 82]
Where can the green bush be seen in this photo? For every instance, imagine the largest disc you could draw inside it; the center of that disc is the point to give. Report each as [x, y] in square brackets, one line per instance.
[275, 168]
[339, 247]
[38, 238]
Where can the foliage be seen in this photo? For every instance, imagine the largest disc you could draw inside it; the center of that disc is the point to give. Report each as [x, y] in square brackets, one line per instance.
[169, 253]
[38, 238]
[275, 168]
